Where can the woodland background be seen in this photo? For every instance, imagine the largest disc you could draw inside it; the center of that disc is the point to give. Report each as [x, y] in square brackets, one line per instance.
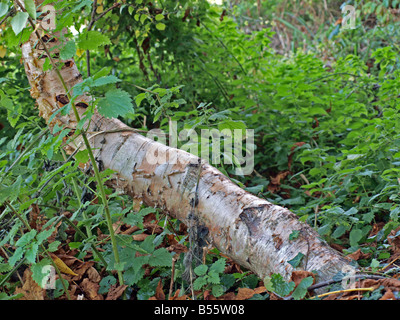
[323, 102]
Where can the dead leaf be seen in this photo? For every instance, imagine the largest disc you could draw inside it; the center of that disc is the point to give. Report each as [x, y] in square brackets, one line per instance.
[388, 295]
[140, 237]
[177, 297]
[61, 265]
[115, 292]
[91, 290]
[31, 290]
[245, 293]
[277, 179]
[159, 291]
[357, 255]
[93, 275]
[297, 276]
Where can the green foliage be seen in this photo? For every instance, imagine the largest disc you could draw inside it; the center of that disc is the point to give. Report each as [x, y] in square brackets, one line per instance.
[323, 102]
[210, 277]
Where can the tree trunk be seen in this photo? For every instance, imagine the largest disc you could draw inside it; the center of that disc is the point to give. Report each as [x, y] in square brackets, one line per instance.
[252, 231]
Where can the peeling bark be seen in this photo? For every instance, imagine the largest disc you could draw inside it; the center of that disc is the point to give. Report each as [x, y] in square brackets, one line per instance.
[252, 231]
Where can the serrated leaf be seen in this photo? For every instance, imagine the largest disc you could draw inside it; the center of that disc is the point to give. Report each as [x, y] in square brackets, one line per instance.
[30, 8]
[213, 277]
[160, 26]
[199, 283]
[68, 51]
[217, 290]
[105, 80]
[302, 287]
[201, 270]
[26, 238]
[161, 258]
[54, 246]
[3, 8]
[280, 286]
[89, 40]
[115, 103]
[218, 266]
[41, 270]
[30, 254]
[18, 22]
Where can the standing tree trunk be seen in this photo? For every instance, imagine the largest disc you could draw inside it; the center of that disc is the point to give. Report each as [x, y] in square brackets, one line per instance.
[253, 232]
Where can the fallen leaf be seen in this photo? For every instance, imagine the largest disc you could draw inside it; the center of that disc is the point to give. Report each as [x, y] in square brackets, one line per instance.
[159, 292]
[93, 275]
[297, 276]
[62, 266]
[115, 292]
[31, 290]
[245, 293]
[91, 290]
[140, 237]
[357, 255]
[388, 295]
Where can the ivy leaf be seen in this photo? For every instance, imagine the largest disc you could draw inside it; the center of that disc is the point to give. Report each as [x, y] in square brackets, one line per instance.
[296, 260]
[116, 103]
[31, 8]
[19, 21]
[89, 40]
[302, 287]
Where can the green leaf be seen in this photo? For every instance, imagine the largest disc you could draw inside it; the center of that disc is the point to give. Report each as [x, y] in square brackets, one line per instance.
[30, 254]
[30, 8]
[19, 21]
[26, 238]
[68, 51]
[159, 17]
[201, 270]
[218, 266]
[199, 283]
[161, 258]
[89, 40]
[296, 260]
[160, 26]
[3, 8]
[301, 289]
[11, 192]
[41, 270]
[105, 80]
[355, 236]
[277, 284]
[116, 103]
[294, 235]
[217, 290]
[82, 156]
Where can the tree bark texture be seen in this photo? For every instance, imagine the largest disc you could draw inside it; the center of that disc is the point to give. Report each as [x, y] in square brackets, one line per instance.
[251, 231]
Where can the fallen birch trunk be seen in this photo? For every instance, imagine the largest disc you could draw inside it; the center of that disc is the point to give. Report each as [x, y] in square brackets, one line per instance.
[251, 231]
